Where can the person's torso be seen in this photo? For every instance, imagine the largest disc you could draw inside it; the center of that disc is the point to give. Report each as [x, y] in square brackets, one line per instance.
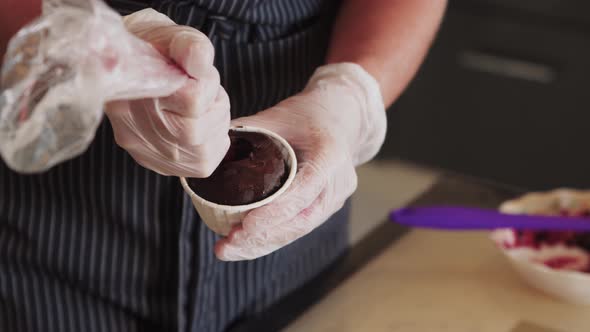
[103, 222]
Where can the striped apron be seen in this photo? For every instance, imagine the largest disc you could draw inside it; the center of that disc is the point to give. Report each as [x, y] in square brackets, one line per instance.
[101, 244]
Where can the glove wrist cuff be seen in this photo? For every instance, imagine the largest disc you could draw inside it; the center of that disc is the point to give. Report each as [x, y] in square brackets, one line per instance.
[373, 121]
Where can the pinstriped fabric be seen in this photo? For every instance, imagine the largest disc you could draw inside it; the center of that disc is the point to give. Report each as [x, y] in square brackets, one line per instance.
[237, 20]
[101, 244]
[68, 252]
[275, 12]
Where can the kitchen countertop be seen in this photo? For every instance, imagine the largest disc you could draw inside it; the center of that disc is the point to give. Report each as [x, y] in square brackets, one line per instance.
[443, 281]
[423, 280]
[438, 281]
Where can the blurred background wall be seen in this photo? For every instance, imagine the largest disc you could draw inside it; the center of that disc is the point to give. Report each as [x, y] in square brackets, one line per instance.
[503, 95]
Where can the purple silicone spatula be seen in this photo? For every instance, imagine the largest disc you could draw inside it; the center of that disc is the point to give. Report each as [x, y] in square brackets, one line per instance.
[463, 218]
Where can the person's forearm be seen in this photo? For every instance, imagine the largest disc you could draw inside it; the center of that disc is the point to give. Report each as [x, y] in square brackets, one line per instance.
[14, 14]
[388, 38]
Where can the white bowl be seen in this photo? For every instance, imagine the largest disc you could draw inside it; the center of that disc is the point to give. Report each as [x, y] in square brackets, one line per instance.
[222, 218]
[568, 284]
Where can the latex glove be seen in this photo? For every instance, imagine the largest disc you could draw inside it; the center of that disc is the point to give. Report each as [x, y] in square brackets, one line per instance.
[570, 202]
[335, 124]
[185, 134]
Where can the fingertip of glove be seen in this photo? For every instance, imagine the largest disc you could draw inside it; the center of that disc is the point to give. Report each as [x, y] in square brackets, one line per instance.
[193, 52]
[219, 249]
[224, 252]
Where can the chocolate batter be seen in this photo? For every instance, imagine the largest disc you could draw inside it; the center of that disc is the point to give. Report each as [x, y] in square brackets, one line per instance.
[253, 169]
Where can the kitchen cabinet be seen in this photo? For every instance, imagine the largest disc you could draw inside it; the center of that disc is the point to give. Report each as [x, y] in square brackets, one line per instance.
[502, 95]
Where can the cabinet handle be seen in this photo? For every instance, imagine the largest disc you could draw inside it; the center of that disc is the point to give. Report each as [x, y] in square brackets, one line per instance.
[505, 66]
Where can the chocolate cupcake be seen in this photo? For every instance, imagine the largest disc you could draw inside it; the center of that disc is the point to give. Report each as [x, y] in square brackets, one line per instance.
[253, 169]
[259, 167]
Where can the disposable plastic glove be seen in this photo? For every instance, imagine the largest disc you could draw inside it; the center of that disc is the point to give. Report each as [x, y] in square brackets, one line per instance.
[335, 124]
[562, 201]
[185, 134]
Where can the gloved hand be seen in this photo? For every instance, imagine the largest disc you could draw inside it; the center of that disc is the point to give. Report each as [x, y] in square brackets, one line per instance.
[570, 202]
[185, 134]
[335, 124]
